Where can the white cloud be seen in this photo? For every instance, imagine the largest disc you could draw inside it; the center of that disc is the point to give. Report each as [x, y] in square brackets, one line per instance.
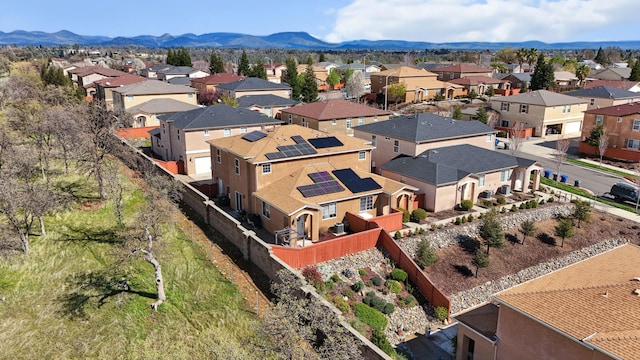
[488, 20]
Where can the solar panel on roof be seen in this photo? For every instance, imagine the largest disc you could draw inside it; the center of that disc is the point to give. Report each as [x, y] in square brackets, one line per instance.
[324, 184]
[274, 155]
[320, 176]
[298, 139]
[325, 142]
[354, 183]
[254, 136]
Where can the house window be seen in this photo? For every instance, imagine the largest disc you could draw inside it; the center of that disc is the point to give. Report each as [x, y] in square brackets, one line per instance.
[304, 122]
[266, 211]
[592, 102]
[243, 130]
[266, 168]
[129, 98]
[190, 95]
[374, 140]
[360, 121]
[619, 120]
[329, 211]
[450, 76]
[481, 181]
[227, 132]
[218, 156]
[523, 108]
[290, 119]
[366, 203]
[504, 107]
[504, 123]
[206, 133]
[237, 166]
[636, 125]
[178, 134]
[362, 155]
[566, 109]
[504, 175]
[599, 119]
[375, 118]
[334, 122]
[489, 137]
[470, 348]
[348, 123]
[396, 146]
[633, 144]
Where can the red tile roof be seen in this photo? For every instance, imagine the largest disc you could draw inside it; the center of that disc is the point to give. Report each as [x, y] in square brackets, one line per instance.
[620, 84]
[617, 110]
[219, 78]
[334, 109]
[464, 68]
[126, 79]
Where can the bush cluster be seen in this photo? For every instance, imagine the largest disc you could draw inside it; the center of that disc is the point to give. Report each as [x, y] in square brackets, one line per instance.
[406, 215]
[418, 215]
[379, 339]
[370, 316]
[378, 303]
[342, 305]
[394, 286]
[399, 274]
[407, 301]
[501, 200]
[466, 205]
[426, 255]
[441, 313]
[376, 280]
[358, 286]
[312, 275]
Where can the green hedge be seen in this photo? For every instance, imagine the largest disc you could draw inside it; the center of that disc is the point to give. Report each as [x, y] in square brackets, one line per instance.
[370, 316]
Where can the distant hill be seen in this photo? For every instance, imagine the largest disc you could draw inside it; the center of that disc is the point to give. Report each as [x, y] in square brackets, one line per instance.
[283, 40]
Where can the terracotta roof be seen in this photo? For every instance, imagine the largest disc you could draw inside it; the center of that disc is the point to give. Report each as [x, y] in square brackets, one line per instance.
[126, 79]
[153, 87]
[620, 84]
[591, 301]
[542, 97]
[464, 68]
[617, 110]
[334, 109]
[219, 78]
[405, 71]
[284, 195]
[475, 80]
[161, 106]
[255, 151]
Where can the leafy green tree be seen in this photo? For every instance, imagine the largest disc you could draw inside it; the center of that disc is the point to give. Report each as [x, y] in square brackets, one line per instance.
[179, 57]
[542, 77]
[397, 92]
[521, 56]
[594, 136]
[582, 211]
[490, 91]
[333, 78]
[216, 65]
[491, 231]
[321, 57]
[291, 77]
[171, 58]
[426, 255]
[524, 88]
[635, 71]
[229, 101]
[457, 113]
[499, 66]
[347, 75]
[258, 70]
[243, 67]
[564, 229]
[482, 115]
[309, 85]
[527, 228]
[480, 260]
[532, 54]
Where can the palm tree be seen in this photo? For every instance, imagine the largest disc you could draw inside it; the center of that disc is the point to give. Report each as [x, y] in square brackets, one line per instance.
[521, 55]
[532, 56]
[582, 71]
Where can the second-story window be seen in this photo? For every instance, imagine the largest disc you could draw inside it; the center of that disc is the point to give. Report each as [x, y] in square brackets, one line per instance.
[348, 123]
[599, 119]
[361, 121]
[374, 140]
[636, 125]
[304, 122]
[290, 119]
[366, 203]
[227, 132]
[178, 134]
[362, 155]
[266, 168]
[237, 166]
[523, 108]
[504, 107]
[396, 146]
[243, 130]
[218, 156]
[206, 133]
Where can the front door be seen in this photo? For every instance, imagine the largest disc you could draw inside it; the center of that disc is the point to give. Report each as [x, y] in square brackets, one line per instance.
[300, 226]
[238, 201]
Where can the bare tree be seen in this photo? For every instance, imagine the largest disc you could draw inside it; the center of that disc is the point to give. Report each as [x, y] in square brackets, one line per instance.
[603, 143]
[516, 141]
[115, 189]
[562, 146]
[65, 125]
[355, 85]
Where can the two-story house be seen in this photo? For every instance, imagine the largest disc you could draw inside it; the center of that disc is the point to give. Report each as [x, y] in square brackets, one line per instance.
[105, 87]
[303, 181]
[544, 111]
[458, 71]
[414, 134]
[147, 113]
[622, 125]
[335, 116]
[253, 86]
[168, 73]
[84, 77]
[605, 96]
[206, 86]
[480, 84]
[151, 72]
[268, 104]
[184, 135]
[129, 96]
[420, 84]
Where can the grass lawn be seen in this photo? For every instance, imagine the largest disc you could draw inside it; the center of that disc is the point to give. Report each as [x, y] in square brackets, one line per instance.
[581, 192]
[62, 300]
[598, 167]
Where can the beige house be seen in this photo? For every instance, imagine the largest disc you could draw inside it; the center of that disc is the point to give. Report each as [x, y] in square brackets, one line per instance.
[588, 310]
[254, 86]
[301, 181]
[147, 113]
[480, 84]
[128, 96]
[544, 111]
[184, 135]
[105, 87]
[84, 77]
[447, 175]
[207, 85]
[173, 72]
[420, 84]
[274, 72]
[335, 116]
[414, 134]
[605, 96]
[267, 104]
[457, 71]
[611, 74]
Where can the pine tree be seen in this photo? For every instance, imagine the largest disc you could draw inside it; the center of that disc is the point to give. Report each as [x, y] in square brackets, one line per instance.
[480, 260]
[170, 57]
[321, 57]
[542, 77]
[291, 78]
[635, 71]
[258, 70]
[457, 113]
[309, 86]
[216, 65]
[491, 231]
[243, 67]
[601, 58]
[482, 115]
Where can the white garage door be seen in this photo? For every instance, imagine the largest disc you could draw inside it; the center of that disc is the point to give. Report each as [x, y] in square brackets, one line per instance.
[572, 127]
[203, 164]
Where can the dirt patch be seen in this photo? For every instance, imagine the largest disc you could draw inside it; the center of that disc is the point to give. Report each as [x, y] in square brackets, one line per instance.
[454, 272]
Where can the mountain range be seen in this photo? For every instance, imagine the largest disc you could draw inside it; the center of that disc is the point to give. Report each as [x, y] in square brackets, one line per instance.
[283, 40]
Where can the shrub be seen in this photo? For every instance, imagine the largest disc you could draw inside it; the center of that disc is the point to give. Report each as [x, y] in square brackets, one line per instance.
[503, 210]
[514, 208]
[399, 274]
[342, 305]
[466, 205]
[388, 308]
[501, 200]
[527, 205]
[376, 281]
[379, 339]
[534, 204]
[522, 206]
[397, 235]
[358, 325]
[458, 221]
[434, 227]
[362, 272]
[358, 286]
[374, 301]
[470, 218]
[418, 215]
[541, 202]
[328, 286]
[550, 199]
[406, 216]
[441, 313]
[335, 278]
[409, 233]
[393, 286]
[463, 219]
[312, 275]
[407, 301]
[426, 255]
[348, 273]
[487, 203]
[348, 292]
[421, 231]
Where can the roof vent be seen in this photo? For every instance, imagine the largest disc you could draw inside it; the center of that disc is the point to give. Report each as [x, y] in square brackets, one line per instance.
[636, 279]
[636, 292]
[606, 294]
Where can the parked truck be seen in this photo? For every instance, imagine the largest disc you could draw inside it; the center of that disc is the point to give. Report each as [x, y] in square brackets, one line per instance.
[622, 191]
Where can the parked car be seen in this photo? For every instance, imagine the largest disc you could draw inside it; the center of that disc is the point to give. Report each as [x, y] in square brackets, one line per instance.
[622, 191]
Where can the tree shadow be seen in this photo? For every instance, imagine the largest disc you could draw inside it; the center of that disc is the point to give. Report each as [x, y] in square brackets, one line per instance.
[93, 290]
[469, 245]
[512, 238]
[546, 238]
[86, 234]
[463, 270]
[77, 191]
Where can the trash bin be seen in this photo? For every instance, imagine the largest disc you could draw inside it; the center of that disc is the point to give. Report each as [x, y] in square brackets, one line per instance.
[576, 183]
[547, 174]
[564, 178]
[497, 142]
[506, 146]
[555, 177]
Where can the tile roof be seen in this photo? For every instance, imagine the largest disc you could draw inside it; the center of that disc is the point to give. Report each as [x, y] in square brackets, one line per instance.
[217, 116]
[620, 84]
[426, 127]
[178, 70]
[449, 164]
[464, 68]
[180, 80]
[593, 301]
[542, 97]
[219, 78]
[335, 109]
[255, 151]
[265, 100]
[564, 75]
[476, 80]
[161, 106]
[406, 71]
[622, 72]
[603, 92]
[126, 79]
[153, 87]
[252, 83]
[483, 319]
[617, 110]
[526, 76]
[284, 195]
[88, 70]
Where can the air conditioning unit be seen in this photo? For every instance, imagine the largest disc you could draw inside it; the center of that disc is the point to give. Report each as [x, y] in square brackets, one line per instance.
[505, 189]
[487, 194]
[339, 228]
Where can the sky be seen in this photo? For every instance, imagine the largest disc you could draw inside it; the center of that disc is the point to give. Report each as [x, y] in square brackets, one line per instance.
[340, 20]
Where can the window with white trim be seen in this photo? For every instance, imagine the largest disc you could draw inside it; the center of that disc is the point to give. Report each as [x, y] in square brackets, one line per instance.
[362, 155]
[266, 168]
[348, 123]
[489, 138]
[366, 203]
[218, 156]
[361, 121]
[375, 118]
[237, 166]
[290, 119]
[396, 146]
[633, 144]
[481, 181]
[374, 140]
[190, 95]
[592, 102]
[523, 108]
[504, 175]
[636, 125]
[243, 130]
[504, 107]
[334, 122]
[227, 132]
[178, 132]
[329, 211]
[566, 109]
[266, 210]
[619, 120]
[206, 133]
[129, 98]
[599, 119]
